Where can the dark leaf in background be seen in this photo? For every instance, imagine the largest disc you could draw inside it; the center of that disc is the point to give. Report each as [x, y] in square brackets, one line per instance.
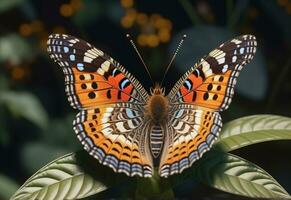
[36, 154]
[5, 5]
[202, 39]
[26, 105]
[7, 187]
[59, 133]
[15, 49]
[278, 15]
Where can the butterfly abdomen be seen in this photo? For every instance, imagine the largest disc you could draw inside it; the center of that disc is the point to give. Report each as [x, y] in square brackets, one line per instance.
[156, 140]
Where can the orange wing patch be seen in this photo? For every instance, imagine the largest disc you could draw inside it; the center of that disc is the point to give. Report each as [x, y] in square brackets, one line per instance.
[112, 135]
[192, 137]
[210, 93]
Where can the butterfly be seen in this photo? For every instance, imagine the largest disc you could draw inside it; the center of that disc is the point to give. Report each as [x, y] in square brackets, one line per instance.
[132, 131]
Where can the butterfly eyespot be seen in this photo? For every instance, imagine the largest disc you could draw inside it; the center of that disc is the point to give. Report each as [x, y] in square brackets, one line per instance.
[92, 95]
[205, 96]
[218, 88]
[93, 129]
[90, 124]
[82, 77]
[94, 85]
[215, 97]
[220, 79]
[209, 87]
[83, 86]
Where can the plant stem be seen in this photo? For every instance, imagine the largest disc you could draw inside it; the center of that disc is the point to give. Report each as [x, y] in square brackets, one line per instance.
[238, 11]
[278, 83]
[188, 7]
[154, 188]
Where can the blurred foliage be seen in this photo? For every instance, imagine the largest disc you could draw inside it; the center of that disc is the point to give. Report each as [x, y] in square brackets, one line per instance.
[36, 120]
[8, 4]
[14, 49]
[7, 187]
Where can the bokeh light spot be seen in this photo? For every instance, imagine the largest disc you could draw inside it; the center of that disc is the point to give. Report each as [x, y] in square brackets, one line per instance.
[66, 10]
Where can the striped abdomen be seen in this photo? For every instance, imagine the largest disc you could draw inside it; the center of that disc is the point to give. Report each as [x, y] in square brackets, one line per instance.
[156, 140]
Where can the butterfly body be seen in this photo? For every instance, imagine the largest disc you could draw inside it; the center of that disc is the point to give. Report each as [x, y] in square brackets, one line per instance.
[130, 130]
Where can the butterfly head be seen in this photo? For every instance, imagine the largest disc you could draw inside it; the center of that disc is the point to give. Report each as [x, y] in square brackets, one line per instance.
[157, 90]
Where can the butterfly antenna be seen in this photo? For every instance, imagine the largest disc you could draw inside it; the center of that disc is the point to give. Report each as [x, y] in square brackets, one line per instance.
[174, 56]
[139, 55]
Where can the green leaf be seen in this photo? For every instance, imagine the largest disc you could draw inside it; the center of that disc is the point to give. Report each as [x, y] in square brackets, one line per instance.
[23, 104]
[154, 187]
[253, 129]
[14, 49]
[7, 4]
[236, 175]
[7, 187]
[73, 176]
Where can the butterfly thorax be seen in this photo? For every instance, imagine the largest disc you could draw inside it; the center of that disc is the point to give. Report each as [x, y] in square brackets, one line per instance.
[157, 105]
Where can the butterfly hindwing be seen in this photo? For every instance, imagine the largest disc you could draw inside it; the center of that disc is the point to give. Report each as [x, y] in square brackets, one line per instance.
[191, 133]
[111, 123]
[112, 135]
[211, 81]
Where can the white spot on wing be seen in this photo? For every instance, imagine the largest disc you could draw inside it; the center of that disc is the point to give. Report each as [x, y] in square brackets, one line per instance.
[105, 65]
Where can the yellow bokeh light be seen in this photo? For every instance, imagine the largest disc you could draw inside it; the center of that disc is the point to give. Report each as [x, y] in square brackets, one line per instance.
[152, 40]
[142, 18]
[126, 3]
[37, 26]
[164, 35]
[17, 73]
[25, 30]
[127, 22]
[66, 10]
[154, 18]
[131, 13]
[76, 4]
[282, 2]
[163, 23]
[142, 40]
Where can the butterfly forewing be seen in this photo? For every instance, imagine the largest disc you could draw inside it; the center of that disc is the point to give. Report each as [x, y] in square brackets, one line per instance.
[111, 101]
[211, 81]
[194, 121]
